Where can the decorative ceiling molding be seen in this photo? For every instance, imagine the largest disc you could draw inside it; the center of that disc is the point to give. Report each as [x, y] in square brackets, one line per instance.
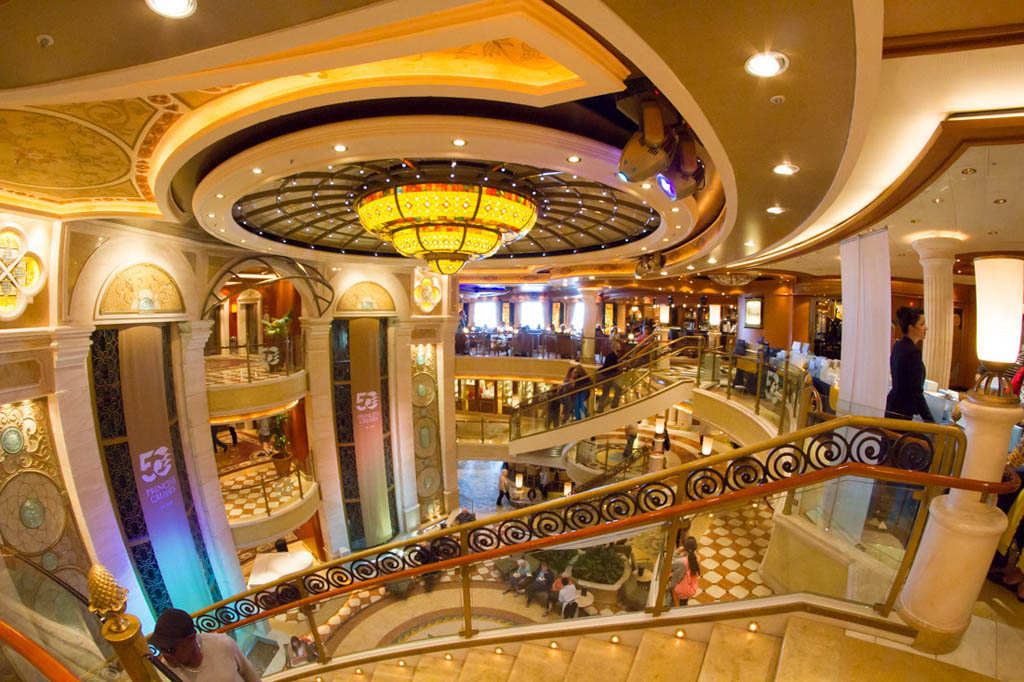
[732, 279]
[952, 41]
[949, 140]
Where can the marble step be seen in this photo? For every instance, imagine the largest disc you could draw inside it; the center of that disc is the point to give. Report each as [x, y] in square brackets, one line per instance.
[486, 666]
[664, 658]
[600, 661]
[436, 669]
[391, 672]
[810, 651]
[538, 663]
[735, 655]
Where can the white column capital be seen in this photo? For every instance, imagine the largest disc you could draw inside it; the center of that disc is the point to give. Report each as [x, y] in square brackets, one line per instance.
[195, 333]
[940, 249]
[71, 346]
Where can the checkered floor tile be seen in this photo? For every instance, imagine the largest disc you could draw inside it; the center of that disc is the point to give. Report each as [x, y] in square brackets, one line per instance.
[730, 555]
[244, 496]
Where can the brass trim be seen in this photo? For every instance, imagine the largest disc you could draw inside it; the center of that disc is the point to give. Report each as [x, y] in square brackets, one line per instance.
[952, 41]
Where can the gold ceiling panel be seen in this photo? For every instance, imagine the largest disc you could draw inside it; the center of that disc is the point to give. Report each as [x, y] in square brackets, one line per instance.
[125, 118]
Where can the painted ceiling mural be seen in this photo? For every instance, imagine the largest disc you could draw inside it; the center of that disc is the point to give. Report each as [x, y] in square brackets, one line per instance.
[94, 157]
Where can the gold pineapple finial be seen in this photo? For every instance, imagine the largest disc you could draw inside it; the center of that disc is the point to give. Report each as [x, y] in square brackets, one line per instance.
[107, 598]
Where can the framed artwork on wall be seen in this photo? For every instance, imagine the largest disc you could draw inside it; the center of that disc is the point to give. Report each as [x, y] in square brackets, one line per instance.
[752, 312]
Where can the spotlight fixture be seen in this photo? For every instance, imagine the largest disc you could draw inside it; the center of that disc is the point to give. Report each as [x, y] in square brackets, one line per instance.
[767, 64]
[666, 185]
[999, 201]
[498, 650]
[447, 657]
[615, 639]
[553, 645]
[401, 663]
[646, 185]
[173, 9]
[786, 169]
[968, 171]
[459, 142]
[752, 626]
[680, 634]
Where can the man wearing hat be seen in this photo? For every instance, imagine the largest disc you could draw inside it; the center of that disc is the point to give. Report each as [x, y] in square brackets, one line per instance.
[199, 656]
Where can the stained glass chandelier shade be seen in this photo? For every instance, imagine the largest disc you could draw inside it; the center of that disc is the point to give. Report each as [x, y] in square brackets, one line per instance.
[446, 224]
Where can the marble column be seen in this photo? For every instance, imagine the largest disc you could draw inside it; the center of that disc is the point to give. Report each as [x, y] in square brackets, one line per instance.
[591, 318]
[960, 537]
[446, 409]
[194, 417]
[936, 255]
[402, 421]
[82, 462]
[321, 432]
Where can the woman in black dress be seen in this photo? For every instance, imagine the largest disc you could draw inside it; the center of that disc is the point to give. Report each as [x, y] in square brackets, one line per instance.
[906, 398]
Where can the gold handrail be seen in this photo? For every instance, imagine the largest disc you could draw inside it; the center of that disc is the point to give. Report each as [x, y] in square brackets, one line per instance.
[944, 460]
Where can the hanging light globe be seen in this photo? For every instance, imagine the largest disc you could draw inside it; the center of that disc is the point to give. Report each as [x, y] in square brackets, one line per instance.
[446, 224]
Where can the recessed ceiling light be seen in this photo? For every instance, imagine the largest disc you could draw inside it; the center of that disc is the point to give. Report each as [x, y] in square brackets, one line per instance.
[712, 260]
[222, 229]
[340, 148]
[915, 221]
[173, 9]
[748, 244]
[573, 159]
[775, 210]
[643, 248]
[665, 239]
[786, 169]
[591, 277]
[999, 201]
[937, 200]
[968, 171]
[646, 185]
[257, 171]
[675, 209]
[689, 267]
[220, 196]
[459, 142]
[663, 273]
[211, 215]
[767, 64]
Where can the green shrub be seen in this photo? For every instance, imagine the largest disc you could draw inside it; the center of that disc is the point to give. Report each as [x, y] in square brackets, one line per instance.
[599, 565]
[556, 559]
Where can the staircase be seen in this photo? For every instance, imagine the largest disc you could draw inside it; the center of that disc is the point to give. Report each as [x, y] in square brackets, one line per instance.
[807, 650]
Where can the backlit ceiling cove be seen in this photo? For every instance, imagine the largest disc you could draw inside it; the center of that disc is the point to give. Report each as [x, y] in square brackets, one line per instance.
[319, 209]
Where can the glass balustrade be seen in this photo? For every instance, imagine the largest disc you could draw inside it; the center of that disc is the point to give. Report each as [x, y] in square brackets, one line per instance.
[276, 356]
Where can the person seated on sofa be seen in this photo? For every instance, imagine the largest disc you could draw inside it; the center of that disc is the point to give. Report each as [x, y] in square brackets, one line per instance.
[516, 577]
[562, 591]
[539, 583]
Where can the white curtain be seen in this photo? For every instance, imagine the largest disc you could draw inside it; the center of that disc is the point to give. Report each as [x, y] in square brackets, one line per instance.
[485, 315]
[867, 320]
[531, 314]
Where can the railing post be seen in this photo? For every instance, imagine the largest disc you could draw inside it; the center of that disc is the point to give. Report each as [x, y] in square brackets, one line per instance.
[248, 363]
[666, 562]
[298, 475]
[700, 359]
[122, 631]
[266, 498]
[757, 389]
[729, 378]
[307, 613]
[467, 610]
[785, 393]
[924, 498]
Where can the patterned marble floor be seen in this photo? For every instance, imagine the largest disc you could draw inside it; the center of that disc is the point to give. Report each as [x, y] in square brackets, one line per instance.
[244, 496]
[234, 369]
[731, 551]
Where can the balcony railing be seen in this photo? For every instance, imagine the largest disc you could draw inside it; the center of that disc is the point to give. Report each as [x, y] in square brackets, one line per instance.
[531, 344]
[272, 492]
[277, 356]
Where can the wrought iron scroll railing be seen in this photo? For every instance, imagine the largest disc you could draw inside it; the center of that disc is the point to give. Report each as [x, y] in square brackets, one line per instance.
[849, 440]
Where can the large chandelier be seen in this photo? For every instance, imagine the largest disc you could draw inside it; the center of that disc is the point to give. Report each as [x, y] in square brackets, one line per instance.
[733, 279]
[446, 224]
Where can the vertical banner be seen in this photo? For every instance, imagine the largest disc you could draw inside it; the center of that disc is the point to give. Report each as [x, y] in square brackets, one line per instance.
[156, 477]
[368, 430]
[867, 322]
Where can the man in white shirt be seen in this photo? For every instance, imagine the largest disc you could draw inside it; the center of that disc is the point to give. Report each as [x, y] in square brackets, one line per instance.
[199, 656]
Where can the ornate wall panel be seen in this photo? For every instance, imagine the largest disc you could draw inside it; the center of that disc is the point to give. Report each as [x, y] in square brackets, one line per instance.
[142, 289]
[36, 519]
[345, 424]
[366, 297]
[426, 431]
[21, 273]
[113, 436]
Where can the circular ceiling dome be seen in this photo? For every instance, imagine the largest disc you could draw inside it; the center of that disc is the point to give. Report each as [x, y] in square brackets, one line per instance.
[318, 209]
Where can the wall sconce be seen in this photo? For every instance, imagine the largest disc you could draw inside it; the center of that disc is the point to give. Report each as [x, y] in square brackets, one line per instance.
[567, 488]
[519, 480]
[659, 425]
[663, 314]
[707, 444]
[999, 292]
[233, 308]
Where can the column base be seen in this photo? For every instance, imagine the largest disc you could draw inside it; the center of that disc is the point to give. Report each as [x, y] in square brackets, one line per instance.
[949, 570]
[411, 518]
[451, 500]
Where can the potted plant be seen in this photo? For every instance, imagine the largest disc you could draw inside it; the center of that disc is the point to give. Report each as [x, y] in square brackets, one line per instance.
[603, 571]
[279, 443]
[275, 333]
